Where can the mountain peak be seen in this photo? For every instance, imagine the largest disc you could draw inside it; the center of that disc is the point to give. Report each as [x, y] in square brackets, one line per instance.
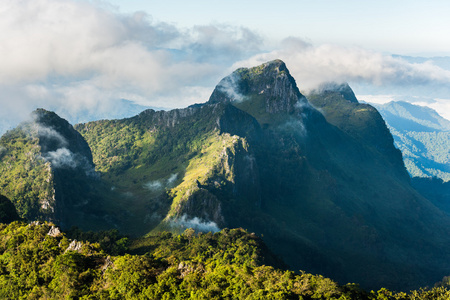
[342, 89]
[262, 91]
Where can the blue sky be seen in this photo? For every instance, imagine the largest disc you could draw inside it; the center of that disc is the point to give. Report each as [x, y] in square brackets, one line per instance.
[407, 27]
[82, 58]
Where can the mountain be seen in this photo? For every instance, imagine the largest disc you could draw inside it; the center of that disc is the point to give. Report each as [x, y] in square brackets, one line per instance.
[328, 191]
[422, 135]
[47, 169]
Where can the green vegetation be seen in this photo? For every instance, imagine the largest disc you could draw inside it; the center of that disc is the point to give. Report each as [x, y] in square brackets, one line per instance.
[26, 178]
[361, 121]
[153, 162]
[39, 262]
[46, 170]
[425, 153]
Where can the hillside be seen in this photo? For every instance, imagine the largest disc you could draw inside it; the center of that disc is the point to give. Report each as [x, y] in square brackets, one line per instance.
[422, 135]
[330, 196]
[38, 261]
[47, 171]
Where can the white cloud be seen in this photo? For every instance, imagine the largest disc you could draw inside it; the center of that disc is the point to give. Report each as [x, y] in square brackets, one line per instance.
[196, 223]
[154, 186]
[312, 65]
[81, 55]
[72, 56]
[172, 178]
[378, 99]
[160, 184]
[62, 158]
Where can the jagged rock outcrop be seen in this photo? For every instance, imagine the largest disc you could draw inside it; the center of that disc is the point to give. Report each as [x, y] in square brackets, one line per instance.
[264, 91]
[75, 246]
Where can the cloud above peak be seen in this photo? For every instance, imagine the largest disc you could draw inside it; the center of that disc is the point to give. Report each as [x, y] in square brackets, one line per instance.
[84, 55]
[312, 65]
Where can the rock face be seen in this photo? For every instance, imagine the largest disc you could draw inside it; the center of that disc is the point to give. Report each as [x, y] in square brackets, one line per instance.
[263, 91]
[166, 118]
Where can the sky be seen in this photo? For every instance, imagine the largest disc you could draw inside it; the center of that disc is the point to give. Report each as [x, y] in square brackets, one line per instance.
[82, 59]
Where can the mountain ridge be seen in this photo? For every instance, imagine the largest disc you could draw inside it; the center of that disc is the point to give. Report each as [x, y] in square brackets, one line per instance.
[258, 155]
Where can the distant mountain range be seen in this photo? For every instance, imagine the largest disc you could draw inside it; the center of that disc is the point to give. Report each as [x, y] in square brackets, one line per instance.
[422, 135]
[316, 175]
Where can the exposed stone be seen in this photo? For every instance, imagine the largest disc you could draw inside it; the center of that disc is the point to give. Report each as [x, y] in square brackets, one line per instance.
[74, 246]
[54, 231]
[108, 264]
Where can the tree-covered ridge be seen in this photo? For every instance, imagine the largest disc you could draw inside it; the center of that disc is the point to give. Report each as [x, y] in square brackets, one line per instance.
[26, 177]
[425, 154]
[46, 169]
[155, 161]
[37, 261]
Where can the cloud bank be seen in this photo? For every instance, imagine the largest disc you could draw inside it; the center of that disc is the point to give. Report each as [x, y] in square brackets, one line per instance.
[313, 65]
[78, 56]
[196, 223]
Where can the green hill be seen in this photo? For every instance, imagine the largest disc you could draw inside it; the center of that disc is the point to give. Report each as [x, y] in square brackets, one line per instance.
[38, 261]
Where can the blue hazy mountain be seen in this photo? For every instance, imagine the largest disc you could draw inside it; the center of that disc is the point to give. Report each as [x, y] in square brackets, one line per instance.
[422, 135]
